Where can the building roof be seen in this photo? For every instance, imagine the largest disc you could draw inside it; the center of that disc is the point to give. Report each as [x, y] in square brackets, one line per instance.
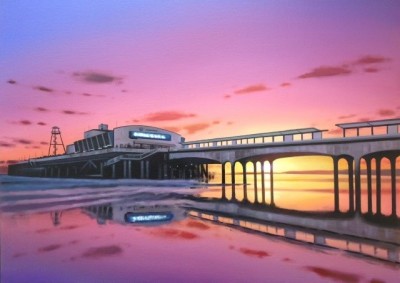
[376, 123]
[260, 135]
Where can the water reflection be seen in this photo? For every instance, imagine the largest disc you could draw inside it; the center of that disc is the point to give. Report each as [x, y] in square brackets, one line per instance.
[134, 213]
[386, 248]
[81, 234]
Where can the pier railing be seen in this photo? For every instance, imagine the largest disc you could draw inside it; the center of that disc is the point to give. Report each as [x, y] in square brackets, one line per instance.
[278, 136]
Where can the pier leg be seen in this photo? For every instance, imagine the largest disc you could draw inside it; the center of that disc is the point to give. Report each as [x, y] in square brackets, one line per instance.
[125, 169]
[369, 186]
[351, 185]
[358, 185]
[378, 186]
[130, 169]
[393, 179]
[271, 182]
[223, 174]
[245, 198]
[336, 182]
[262, 183]
[233, 182]
[255, 183]
[141, 169]
[113, 175]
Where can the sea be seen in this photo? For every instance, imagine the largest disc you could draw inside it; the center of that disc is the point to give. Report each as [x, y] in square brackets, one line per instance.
[98, 230]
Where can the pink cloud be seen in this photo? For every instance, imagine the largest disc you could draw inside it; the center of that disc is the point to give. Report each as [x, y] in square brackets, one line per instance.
[371, 59]
[386, 112]
[285, 84]
[326, 71]
[194, 128]
[251, 89]
[168, 116]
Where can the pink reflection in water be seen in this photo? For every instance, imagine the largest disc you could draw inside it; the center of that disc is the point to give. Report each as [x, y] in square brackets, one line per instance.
[188, 250]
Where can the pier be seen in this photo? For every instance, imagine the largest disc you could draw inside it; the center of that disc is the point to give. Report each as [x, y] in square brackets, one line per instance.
[152, 153]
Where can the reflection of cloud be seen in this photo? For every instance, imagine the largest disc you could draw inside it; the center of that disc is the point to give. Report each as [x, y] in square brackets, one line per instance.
[72, 112]
[44, 143]
[97, 77]
[194, 128]
[333, 274]
[197, 225]
[386, 112]
[251, 89]
[49, 248]
[168, 116]
[227, 96]
[43, 88]
[254, 253]
[70, 227]
[101, 252]
[371, 70]
[371, 59]
[285, 84]
[326, 71]
[174, 234]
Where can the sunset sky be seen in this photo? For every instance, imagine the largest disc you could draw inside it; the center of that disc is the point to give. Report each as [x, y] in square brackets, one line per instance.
[201, 68]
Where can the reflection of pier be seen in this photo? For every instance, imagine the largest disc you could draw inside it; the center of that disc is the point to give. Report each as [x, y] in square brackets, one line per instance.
[345, 234]
[234, 154]
[154, 213]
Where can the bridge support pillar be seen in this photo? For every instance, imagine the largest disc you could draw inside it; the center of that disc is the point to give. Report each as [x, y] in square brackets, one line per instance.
[369, 185]
[113, 175]
[378, 186]
[223, 181]
[130, 169]
[255, 182]
[262, 183]
[393, 181]
[336, 182]
[271, 182]
[233, 182]
[245, 197]
[351, 184]
[358, 184]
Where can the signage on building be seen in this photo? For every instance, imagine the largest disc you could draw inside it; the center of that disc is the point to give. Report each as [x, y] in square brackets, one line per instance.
[150, 136]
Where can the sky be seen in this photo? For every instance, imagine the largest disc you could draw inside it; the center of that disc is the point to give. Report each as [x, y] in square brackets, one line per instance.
[203, 69]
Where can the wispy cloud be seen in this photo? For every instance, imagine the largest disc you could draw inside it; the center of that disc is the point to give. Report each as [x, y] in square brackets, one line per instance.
[72, 112]
[44, 89]
[41, 123]
[23, 141]
[371, 59]
[6, 144]
[12, 82]
[252, 89]
[97, 77]
[41, 109]
[326, 71]
[347, 116]
[286, 84]
[386, 112]
[167, 116]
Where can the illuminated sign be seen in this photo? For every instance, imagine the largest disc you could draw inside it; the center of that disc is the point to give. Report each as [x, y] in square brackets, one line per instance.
[132, 217]
[150, 136]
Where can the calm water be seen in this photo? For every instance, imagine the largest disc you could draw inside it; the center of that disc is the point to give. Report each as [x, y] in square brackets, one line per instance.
[78, 231]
